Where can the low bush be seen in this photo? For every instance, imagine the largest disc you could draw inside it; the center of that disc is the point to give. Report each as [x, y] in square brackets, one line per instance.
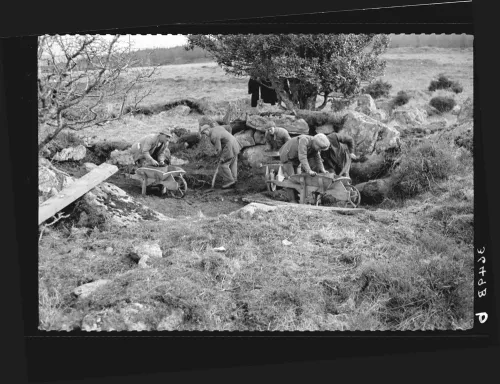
[401, 99]
[378, 89]
[443, 82]
[442, 103]
[420, 167]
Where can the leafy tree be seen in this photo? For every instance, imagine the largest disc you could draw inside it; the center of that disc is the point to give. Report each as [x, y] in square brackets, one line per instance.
[300, 67]
[78, 75]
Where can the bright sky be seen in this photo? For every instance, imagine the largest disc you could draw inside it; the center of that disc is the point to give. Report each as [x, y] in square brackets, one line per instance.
[157, 41]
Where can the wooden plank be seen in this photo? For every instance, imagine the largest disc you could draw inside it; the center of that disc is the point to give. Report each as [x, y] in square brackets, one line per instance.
[277, 203]
[75, 190]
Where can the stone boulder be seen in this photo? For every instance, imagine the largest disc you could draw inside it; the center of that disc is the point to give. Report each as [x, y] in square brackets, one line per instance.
[89, 166]
[365, 104]
[372, 141]
[410, 116]
[325, 129]
[369, 134]
[259, 137]
[71, 153]
[385, 105]
[374, 191]
[142, 252]
[257, 122]
[292, 125]
[245, 138]
[114, 204]
[466, 112]
[182, 110]
[118, 157]
[85, 290]
[176, 161]
[255, 156]
[250, 209]
[50, 180]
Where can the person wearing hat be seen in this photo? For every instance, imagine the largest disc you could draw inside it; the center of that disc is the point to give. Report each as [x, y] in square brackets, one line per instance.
[228, 147]
[152, 149]
[337, 158]
[276, 137]
[304, 152]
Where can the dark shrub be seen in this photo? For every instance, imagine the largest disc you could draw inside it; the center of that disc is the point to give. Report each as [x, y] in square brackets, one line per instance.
[442, 103]
[420, 167]
[401, 99]
[378, 89]
[444, 83]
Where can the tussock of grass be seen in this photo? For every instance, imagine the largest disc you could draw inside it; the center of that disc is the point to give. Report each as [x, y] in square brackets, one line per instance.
[420, 167]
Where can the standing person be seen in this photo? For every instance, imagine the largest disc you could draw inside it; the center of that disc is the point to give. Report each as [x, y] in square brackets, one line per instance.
[152, 149]
[337, 159]
[253, 89]
[276, 137]
[304, 152]
[228, 147]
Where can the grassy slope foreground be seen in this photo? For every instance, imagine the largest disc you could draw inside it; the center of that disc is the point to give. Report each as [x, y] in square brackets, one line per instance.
[406, 264]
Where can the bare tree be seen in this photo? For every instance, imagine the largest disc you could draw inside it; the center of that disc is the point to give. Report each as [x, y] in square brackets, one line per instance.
[79, 75]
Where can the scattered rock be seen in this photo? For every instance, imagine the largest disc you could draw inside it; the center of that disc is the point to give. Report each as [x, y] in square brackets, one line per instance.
[369, 134]
[455, 110]
[374, 191]
[325, 129]
[245, 138]
[124, 157]
[50, 180]
[72, 153]
[172, 321]
[176, 161]
[466, 112]
[250, 209]
[255, 156]
[113, 203]
[85, 290]
[109, 250]
[146, 250]
[220, 249]
[259, 137]
[410, 115]
[286, 242]
[89, 166]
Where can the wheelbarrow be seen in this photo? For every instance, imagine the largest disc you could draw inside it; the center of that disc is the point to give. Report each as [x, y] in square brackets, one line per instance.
[318, 186]
[168, 177]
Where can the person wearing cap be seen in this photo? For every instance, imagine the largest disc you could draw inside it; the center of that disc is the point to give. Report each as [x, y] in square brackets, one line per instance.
[152, 149]
[340, 153]
[276, 137]
[228, 147]
[304, 152]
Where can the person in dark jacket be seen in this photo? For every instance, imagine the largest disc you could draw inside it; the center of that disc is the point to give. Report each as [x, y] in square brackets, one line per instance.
[267, 92]
[337, 158]
[253, 89]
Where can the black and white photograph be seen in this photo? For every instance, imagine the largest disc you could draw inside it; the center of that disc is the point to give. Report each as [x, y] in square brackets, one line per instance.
[255, 182]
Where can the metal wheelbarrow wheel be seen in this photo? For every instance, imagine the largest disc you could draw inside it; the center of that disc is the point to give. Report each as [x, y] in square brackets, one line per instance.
[353, 198]
[181, 191]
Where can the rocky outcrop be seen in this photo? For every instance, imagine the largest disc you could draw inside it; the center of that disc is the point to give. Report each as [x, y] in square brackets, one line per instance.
[115, 205]
[50, 180]
[142, 252]
[245, 138]
[259, 137]
[410, 116]
[71, 153]
[293, 125]
[118, 157]
[372, 141]
[255, 156]
[374, 191]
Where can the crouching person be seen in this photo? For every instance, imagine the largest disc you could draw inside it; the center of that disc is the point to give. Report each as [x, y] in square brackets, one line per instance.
[337, 159]
[302, 153]
[152, 149]
[276, 137]
[228, 147]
